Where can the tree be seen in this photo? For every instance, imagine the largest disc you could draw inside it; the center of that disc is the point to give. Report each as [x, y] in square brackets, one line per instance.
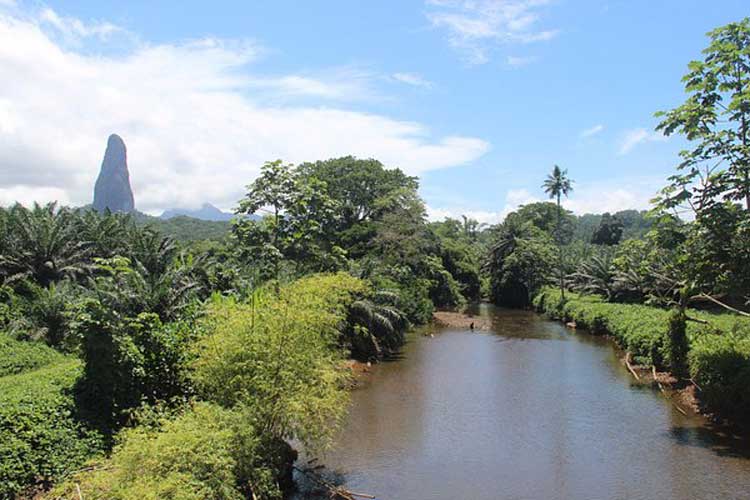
[609, 231]
[364, 191]
[713, 179]
[556, 185]
[547, 217]
[42, 244]
[714, 119]
[520, 260]
[299, 214]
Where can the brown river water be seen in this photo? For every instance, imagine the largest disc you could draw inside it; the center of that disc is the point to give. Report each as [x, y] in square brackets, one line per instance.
[529, 410]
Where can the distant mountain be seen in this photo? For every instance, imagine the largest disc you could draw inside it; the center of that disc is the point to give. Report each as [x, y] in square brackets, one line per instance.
[206, 212]
[112, 190]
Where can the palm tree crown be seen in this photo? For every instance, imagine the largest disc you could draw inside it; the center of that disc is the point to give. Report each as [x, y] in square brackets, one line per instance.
[558, 183]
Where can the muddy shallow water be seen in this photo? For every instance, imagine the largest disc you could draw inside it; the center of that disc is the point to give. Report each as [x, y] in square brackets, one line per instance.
[527, 410]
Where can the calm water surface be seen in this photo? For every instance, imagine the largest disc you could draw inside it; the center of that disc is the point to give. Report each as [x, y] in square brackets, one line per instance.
[528, 411]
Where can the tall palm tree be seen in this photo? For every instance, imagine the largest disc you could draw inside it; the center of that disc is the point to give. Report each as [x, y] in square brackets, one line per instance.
[556, 185]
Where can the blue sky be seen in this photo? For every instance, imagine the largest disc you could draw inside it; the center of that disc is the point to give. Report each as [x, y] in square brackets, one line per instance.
[479, 98]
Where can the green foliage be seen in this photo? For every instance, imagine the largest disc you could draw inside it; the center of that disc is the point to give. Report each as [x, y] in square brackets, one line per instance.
[714, 119]
[558, 183]
[208, 452]
[18, 356]
[375, 326]
[189, 229]
[300, 213]
[675, 344]
[41, 244]
[364, 192]
[413, 291]
[128, 361]
[595, 275]
[41, 438]
[520, 261]
[546, 216]
[609, 231]
[461, 253]
[276, 354]
[720, 365]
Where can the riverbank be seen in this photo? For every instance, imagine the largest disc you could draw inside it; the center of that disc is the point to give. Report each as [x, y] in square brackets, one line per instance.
[717, 382]
[461, 320]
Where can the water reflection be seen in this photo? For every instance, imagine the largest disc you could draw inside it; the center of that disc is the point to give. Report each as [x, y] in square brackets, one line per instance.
[530, 410]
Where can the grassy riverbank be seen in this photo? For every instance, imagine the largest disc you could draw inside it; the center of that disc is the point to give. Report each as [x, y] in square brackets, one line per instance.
[718, 355]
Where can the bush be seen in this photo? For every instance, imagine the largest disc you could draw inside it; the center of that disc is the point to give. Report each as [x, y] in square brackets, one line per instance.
[18, 356]
[720, 365]
[40, 436]
[675, 345]
[128, 361]
[208, 452]
[278, 354]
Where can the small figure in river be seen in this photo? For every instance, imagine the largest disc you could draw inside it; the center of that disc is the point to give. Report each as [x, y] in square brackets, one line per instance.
[471, 326]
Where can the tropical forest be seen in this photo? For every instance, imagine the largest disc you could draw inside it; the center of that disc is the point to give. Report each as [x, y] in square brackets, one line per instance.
[326, 335]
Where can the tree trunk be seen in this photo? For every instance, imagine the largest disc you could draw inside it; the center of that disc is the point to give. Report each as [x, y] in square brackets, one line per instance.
[559, 248]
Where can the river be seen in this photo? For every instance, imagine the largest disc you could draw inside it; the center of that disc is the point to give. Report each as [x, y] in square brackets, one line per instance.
[529, 410]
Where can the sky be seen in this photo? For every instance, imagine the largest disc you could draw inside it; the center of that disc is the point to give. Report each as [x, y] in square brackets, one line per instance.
[479, 98]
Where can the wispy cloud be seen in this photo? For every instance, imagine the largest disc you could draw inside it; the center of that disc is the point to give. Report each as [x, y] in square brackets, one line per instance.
[412, 79]
[592, 131]
[196, 125]
[634, 137]
[73, 29]
[334, 84]
[517, 61]
[475, 26]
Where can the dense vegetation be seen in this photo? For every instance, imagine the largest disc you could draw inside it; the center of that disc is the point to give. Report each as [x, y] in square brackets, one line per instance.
[114, 334]
[181, 358]
[641, 276]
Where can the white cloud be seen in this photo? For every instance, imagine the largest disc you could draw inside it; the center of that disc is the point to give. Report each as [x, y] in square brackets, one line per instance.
[592, 131]
[513, 199]
[412, 79]
[475, 26]
[196, 125]
[610, 197]
[636, 136]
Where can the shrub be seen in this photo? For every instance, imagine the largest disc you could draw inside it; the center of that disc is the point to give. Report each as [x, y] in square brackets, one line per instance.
[675, 345]
[278, 354]
[208, 452]
[128, 361]
[720, 365]
[18, 356]
[40, 436]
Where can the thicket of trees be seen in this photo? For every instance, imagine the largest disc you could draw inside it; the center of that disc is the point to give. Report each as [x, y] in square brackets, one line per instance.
[132, 333]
